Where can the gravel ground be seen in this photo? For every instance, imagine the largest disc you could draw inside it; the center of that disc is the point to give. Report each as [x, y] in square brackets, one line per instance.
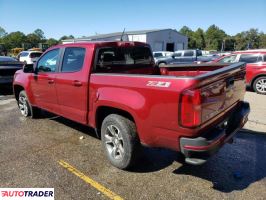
[30, 151]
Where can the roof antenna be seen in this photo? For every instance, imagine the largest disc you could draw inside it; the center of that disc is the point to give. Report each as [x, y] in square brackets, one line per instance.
[121, 39]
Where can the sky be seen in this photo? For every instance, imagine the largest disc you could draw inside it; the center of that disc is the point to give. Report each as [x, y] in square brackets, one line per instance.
[89, 17]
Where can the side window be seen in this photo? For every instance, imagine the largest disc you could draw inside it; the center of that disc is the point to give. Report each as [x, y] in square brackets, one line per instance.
[178, 54]
[264, 57]
[249, 58]
[188, 53]
[199, 53]
[49, 62]
[228, 59]
[73, 59]
[157, 55]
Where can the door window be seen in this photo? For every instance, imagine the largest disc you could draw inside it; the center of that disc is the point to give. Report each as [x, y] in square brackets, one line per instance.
[73, 59]
[188, 53]
[228, 59]
[48, 63]
[250, 58]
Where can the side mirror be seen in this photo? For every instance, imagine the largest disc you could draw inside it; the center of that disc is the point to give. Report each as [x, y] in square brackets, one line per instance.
[28, 68]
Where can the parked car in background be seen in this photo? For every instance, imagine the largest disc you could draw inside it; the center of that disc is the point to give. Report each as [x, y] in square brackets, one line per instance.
[114, 88]
[255, 66]
[8, 67]
[160, 54]
[185, 56]
[29, 57]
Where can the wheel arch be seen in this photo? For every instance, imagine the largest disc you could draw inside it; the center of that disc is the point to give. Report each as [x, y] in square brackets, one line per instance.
[104, 111]
[256, 77]
[17, 89]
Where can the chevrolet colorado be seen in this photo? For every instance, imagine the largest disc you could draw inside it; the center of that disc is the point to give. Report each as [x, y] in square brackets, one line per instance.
[116, 88]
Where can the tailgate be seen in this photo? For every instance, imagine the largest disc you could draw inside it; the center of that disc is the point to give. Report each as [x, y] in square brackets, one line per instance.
[221, 90]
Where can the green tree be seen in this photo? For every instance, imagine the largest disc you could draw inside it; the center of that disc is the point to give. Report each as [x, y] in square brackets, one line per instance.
[262, 40]
[14, 39]
[250, 39]
[2, 32]
[39, 33]
[229, 43]
[199, 38]
[214, 37]
[52, 42]
[189, 33]
[65, 37]
[33, 39]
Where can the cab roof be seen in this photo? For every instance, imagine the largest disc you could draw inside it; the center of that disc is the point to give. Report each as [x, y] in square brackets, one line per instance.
[103, 43]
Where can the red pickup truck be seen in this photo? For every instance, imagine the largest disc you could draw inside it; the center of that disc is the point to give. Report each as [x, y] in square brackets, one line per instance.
[116, 88]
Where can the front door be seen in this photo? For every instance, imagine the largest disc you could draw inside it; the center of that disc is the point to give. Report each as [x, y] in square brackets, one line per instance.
[43, 81]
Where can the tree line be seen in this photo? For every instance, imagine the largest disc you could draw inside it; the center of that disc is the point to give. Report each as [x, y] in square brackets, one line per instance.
[215, 38]
[18, 39]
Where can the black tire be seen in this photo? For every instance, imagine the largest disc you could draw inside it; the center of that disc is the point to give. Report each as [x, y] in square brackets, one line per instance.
[162, 64]
[120, 141]
[26, 109]
[259, 85]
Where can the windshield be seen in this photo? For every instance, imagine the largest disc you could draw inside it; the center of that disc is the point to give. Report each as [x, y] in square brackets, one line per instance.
[123, 57]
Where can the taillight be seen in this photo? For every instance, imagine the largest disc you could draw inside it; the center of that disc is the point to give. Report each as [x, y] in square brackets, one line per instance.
[190, 113]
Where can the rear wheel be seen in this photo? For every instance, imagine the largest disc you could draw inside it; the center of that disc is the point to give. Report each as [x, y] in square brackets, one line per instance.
[259, 85]
[120, 141]
[162, 64]
[26, 109]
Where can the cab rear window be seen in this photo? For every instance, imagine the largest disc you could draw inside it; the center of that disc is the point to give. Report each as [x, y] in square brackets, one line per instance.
[119, 58]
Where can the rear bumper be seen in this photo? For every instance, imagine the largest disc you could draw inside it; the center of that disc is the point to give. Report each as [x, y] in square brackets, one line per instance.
[198, 150]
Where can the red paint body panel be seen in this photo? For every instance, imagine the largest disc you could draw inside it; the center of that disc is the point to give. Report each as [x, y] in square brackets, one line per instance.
[149, 95]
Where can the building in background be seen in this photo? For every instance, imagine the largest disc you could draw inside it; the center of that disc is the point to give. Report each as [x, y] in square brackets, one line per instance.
[158, 39]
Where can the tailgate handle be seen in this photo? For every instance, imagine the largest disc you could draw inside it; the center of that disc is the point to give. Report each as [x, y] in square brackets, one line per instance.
[230, 82]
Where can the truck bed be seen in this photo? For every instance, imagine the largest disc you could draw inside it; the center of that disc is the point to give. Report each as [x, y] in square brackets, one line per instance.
[156, 99]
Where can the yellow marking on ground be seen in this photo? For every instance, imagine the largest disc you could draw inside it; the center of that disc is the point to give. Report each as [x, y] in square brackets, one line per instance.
[88, 180]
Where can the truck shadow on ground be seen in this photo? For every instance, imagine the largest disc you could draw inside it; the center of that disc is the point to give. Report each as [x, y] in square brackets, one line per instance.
[236, 166]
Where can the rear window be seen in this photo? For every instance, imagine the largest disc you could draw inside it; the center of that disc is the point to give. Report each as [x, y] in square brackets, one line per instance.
[157, 55]
[188, 53]
[6, 59]
[35, 55]
[250, 58]
[111, 58]
[24, 54]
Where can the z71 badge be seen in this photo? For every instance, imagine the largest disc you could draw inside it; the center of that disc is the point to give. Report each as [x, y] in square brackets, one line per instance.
[158, 84]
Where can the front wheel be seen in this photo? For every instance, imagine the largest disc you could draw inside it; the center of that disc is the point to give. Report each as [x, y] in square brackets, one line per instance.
[259, 85]
[120, 141]
[26, 109]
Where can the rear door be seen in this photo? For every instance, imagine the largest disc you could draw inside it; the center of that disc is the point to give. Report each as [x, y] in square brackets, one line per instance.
[253, 64]
[43, 81]
[188, 56]
[72, 84]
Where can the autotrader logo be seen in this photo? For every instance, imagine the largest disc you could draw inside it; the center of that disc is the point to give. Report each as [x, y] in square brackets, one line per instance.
[27, 193]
